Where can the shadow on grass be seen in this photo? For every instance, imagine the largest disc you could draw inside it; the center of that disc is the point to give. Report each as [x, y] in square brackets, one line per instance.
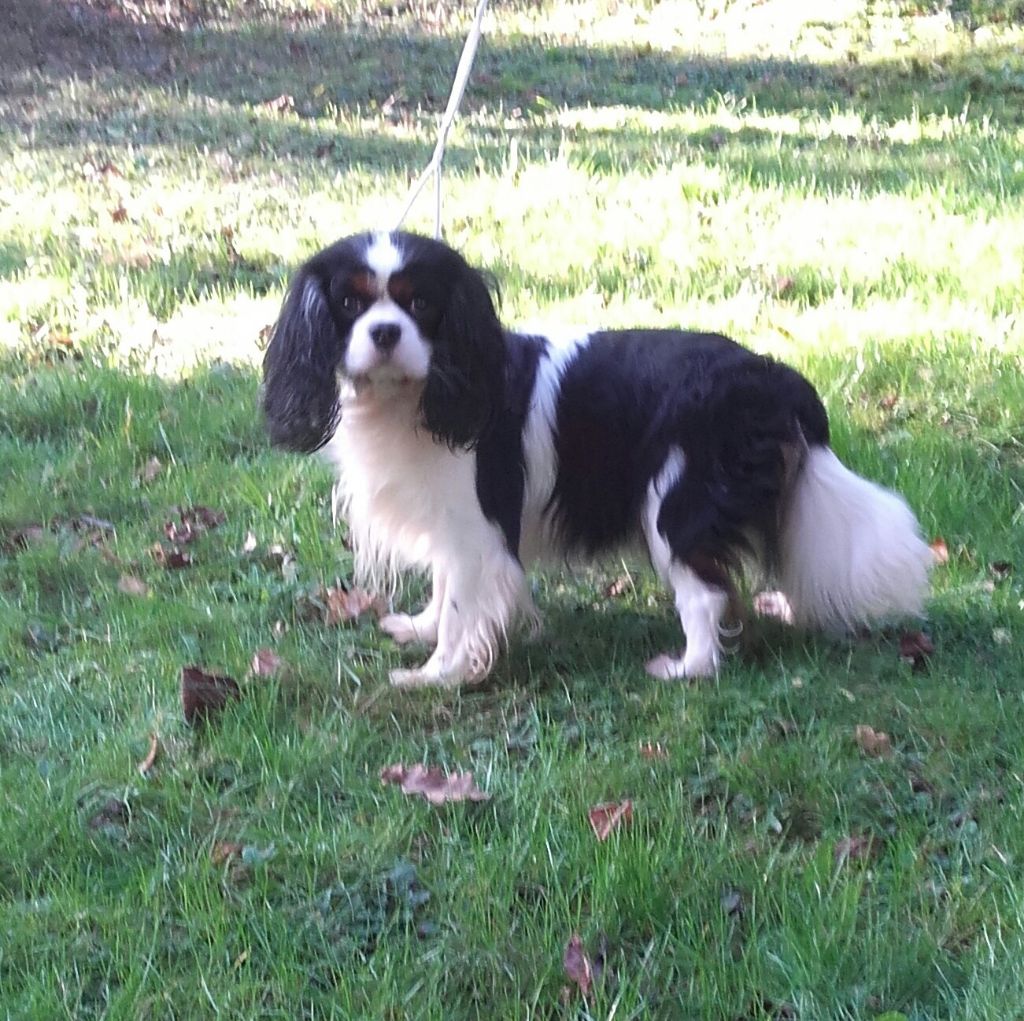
[70, 446]
[331, 68]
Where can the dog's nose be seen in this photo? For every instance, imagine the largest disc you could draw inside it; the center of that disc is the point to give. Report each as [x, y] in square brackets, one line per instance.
[385, 336]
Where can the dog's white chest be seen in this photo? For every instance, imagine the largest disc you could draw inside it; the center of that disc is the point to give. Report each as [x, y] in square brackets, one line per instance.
[406, 497]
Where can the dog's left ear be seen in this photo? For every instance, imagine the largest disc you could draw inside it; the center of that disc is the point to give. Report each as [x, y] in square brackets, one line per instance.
[465, 386]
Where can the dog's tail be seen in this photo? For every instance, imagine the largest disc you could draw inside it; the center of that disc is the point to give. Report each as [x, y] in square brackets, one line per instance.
[851, 552]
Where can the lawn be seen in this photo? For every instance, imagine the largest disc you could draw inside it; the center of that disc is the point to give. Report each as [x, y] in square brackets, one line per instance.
[843, 188]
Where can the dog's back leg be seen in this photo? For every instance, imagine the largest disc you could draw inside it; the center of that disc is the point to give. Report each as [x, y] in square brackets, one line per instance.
[701, 588]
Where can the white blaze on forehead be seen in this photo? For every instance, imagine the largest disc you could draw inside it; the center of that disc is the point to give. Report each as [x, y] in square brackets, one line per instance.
[383, 257]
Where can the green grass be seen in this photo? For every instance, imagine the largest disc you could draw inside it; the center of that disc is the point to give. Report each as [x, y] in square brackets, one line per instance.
[845, 190]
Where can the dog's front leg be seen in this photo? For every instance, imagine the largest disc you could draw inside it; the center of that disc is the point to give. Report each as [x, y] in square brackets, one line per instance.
[424, 626]
[483, 593]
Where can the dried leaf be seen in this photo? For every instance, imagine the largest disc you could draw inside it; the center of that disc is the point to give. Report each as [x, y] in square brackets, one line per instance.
[170, 559]
[940, 551]
[872, 742]
[433, 783]
[343, 605]
[192, 523]
[915, 648]
[149, 761]
[132, 586]
[179, 531]
[578, 966]
[265, 663]
[609, 816]
[119, 214]
[204, 695]
[206, 517]
[152, 469]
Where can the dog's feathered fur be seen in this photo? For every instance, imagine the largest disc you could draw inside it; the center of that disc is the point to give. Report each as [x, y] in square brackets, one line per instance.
[469, 451]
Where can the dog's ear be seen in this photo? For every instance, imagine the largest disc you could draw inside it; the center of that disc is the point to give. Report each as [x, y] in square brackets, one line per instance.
[465, 386]
[300, 383]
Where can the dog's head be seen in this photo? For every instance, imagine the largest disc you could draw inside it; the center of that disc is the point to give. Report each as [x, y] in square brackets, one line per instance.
[388, 313]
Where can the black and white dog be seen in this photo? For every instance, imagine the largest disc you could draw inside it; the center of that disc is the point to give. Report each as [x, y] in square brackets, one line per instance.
[471, 451]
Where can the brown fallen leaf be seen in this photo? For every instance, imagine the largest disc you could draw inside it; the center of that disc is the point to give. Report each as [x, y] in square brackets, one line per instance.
[578, 966]
[433, 783]
[265, 663]
[193, 522]
[132, 586]
[179, 531]
[343, 605]
[119, 214]
[872, 742]
[609, 816]
[205, 695]
[150, 760]
[170, 559]
[915, 648]
[940, 551]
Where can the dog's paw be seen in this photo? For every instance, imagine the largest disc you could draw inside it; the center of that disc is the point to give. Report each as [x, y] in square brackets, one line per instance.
[669, 668]
[422, 678]
[405, 629]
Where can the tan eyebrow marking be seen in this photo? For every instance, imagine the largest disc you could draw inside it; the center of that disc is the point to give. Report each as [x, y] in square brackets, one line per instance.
[365, 286]
[400, 288]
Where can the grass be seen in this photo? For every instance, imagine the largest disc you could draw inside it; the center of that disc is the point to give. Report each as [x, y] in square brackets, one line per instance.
[843, 190]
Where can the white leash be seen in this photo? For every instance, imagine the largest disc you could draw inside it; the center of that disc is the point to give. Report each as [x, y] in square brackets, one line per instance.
[458, 88]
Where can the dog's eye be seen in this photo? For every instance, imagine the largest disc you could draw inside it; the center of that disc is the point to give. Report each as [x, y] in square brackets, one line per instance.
[419, 304]
[352, 304]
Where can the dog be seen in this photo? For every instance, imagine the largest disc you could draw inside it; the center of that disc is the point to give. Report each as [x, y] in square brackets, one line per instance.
[470, 452]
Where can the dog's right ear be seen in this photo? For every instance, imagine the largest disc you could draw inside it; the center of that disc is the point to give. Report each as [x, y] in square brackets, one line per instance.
[301, 403]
